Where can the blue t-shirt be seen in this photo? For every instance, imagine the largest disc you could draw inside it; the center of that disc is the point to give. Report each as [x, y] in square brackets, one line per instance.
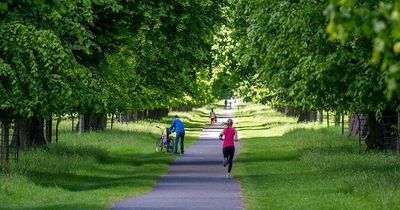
[177, 125]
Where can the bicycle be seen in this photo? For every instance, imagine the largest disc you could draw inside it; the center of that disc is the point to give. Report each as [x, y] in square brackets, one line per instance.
[164, 141]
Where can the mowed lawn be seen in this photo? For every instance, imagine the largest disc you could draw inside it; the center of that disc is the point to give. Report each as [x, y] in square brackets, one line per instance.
[93, 170]
[285, 165]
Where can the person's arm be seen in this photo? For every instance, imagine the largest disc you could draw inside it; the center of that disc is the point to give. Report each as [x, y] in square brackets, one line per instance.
[221, 135]
[171, 129]
[236, 136]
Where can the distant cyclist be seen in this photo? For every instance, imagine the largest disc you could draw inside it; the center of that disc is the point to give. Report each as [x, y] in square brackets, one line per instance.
[229, 136]
[213, 116]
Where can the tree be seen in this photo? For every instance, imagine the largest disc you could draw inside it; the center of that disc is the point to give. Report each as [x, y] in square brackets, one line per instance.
[102, 56]
[376, 21]
[283, 51]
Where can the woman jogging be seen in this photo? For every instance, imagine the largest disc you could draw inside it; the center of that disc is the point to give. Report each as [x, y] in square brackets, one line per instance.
[228, 148]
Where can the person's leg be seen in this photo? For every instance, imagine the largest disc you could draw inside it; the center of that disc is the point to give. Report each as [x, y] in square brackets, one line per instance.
[230, 158]
[225, 152]
[182, 143]
[176, 143]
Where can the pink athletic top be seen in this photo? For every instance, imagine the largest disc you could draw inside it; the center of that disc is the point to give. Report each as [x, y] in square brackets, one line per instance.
[229, 134]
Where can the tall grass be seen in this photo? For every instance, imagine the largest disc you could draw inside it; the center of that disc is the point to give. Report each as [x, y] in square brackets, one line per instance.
[92, 170]
[285, 165]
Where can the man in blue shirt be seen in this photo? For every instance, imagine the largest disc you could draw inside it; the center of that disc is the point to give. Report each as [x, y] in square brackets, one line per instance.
[177, 126]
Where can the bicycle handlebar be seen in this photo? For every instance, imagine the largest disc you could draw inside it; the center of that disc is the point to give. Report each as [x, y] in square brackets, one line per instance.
[161, 128]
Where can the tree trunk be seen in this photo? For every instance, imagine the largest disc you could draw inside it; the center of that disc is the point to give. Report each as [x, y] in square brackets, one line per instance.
[377, 135]
[291, 111]
[57, 126]
[313, 116]
[142, 114]
[342, 123]
[112, 121]
[49, 128]
[321, 117]
[158, 113]
[134, 116]
[81, 124]
[94, 122]
[337, 118]
[129, 117]
[304, 117]
[373, 139]
[285, 110]
[388, 129]
[398, 134]
[353, 125]
[358, 124]
[30, 133]
[281, 109]
[327, 118]
[72, 122]
[123, 117]
[5, 142]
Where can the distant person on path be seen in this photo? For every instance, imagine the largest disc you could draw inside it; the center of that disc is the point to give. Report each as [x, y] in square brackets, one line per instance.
[213, 116]
[177, 126]
[226, 104]
[229, 136]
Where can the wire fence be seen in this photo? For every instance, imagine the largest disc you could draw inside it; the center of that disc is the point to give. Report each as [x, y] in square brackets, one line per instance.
[9, 147]
[54, 131]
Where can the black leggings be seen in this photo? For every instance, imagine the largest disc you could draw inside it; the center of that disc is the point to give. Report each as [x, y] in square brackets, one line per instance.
[229, 152]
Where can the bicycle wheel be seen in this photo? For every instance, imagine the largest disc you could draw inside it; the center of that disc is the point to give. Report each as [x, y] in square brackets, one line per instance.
[159, 144]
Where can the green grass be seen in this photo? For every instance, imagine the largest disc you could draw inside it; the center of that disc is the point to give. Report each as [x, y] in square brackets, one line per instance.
[285, 165]
[91, 171]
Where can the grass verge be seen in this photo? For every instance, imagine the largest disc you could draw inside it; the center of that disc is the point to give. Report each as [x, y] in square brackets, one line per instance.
[93, 170]
[285, 165]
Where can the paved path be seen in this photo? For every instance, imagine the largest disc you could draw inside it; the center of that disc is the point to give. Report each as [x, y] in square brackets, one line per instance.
[195, 181]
